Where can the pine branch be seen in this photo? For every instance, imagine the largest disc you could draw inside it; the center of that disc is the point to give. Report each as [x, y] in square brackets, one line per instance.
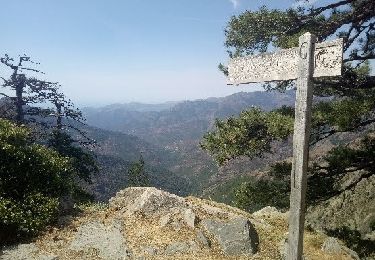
[326, 134]
[320, 10]
[357, 57]
[5, 95]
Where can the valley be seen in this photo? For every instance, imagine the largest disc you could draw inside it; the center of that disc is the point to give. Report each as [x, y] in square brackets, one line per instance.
[168, 136]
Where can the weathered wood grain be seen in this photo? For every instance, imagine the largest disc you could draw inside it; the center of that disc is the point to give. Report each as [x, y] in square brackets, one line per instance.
[301, 137]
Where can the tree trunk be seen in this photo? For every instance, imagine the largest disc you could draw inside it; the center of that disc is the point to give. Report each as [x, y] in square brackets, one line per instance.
[19, 99]
[59, 116]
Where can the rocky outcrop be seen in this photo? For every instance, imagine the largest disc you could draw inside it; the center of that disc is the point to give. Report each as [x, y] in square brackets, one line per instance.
[354, 209]
[147, 223]
[146, 201]
[333, 246]
[234, 234]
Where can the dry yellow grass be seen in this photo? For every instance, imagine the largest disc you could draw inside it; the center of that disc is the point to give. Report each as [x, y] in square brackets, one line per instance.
[145, 232]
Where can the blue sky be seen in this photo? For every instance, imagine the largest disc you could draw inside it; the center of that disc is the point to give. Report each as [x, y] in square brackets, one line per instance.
[126, 50]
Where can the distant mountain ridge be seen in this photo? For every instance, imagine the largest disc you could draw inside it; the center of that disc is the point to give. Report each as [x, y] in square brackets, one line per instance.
[194, 117]
[136, 106]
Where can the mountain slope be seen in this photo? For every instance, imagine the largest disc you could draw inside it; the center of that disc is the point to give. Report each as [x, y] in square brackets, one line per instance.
[115, 153]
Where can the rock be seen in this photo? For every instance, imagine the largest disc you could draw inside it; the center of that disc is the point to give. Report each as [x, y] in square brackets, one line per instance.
[201, 238]
[149, 250]
[367, 225]
[177, 218]
[237, 237]
[108, 240]
[147, 201]
[189, 218]
[173, 220]
[25, 252]
[181, 248]
[160, 225]
[165, 220]
[283, 247]
[215, 211]
[332, 246]
[353, 208]
[267, 211]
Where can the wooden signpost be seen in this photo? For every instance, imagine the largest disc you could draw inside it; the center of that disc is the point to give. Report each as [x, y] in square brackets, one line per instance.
[302, 63]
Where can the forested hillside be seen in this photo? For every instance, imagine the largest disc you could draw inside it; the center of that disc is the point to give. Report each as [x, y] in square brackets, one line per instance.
[117, 151]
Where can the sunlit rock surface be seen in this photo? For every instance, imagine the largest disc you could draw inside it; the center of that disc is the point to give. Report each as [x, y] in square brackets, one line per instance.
[147, 223]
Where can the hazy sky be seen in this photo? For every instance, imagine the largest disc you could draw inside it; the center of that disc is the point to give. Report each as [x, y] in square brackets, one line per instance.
[106, 51]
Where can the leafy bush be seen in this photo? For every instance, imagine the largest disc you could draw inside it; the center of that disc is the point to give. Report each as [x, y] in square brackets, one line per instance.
[26, 217]
[273, 190]
[32, 179]
[255, 195]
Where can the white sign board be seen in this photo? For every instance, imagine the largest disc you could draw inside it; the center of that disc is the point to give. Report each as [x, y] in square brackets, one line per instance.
[283, 64]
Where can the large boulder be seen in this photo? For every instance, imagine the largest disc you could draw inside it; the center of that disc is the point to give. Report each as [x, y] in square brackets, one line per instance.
[108, 240]
[236, 237]
[145, 201]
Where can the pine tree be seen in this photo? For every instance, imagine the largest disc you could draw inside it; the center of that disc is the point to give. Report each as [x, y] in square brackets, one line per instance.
[137, 174]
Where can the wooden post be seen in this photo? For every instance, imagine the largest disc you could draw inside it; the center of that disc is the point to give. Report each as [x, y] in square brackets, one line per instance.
[301, 146]
[301, 63]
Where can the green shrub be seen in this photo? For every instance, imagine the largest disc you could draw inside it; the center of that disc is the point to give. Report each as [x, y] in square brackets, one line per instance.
[27, 168]
[257, 194]
[26, 217]
[32, 179]
[273, 190]
[137, 174]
